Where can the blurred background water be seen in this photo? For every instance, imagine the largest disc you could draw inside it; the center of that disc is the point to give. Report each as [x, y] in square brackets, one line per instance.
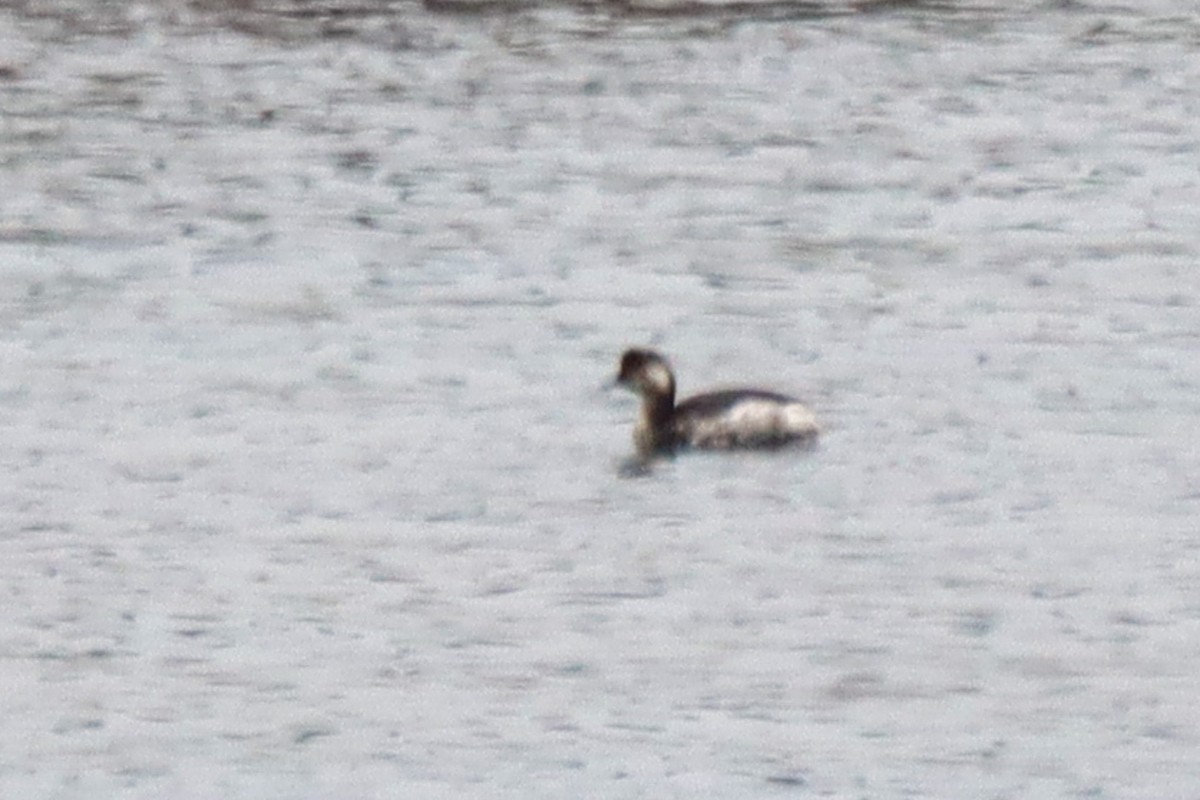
[311, 483]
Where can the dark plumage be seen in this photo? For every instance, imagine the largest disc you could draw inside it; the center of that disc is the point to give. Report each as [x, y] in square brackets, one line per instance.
[727, 419]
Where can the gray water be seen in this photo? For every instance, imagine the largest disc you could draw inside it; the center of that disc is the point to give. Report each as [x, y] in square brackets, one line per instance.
[312, 488]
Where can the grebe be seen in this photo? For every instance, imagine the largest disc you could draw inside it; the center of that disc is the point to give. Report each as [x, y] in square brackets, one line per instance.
[724, 420]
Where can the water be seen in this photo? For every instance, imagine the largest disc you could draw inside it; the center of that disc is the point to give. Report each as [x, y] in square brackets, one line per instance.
[312, 487]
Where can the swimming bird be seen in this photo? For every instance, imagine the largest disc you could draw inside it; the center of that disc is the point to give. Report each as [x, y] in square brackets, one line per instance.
[722, 420]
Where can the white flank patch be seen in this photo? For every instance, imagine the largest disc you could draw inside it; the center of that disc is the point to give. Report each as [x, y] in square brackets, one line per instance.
[753, 422]
[799, 420]
[754, 419]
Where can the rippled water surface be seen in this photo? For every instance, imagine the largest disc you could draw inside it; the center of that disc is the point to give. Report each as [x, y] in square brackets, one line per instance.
[311, 483]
